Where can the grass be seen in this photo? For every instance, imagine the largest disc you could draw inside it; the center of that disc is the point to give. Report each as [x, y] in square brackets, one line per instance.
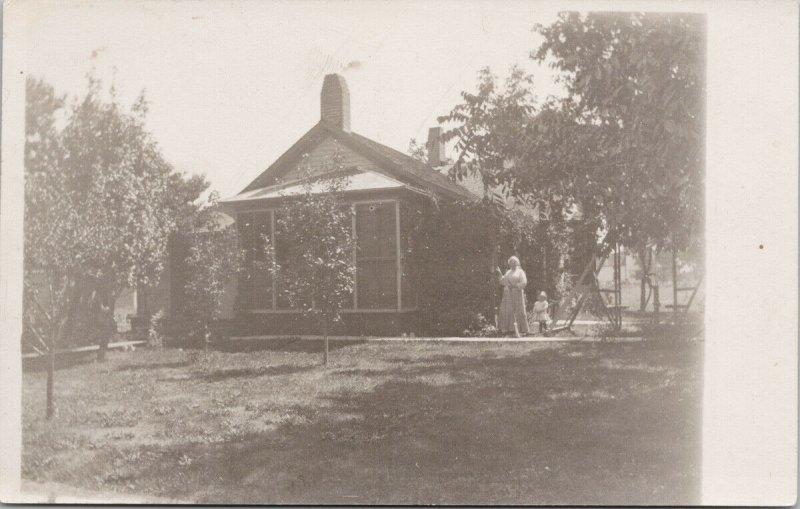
[390, 423]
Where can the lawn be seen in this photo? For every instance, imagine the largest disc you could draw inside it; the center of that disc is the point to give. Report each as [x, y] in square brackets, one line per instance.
[385, 422]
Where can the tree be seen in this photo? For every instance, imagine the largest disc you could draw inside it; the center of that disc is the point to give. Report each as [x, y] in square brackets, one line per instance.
[501, 137]
[49, 294]
[487, 127]
[314, 262]
[418, 150]
[112, 161]
[624, 147]
[637, 79]
[100, 202]
[214, 259]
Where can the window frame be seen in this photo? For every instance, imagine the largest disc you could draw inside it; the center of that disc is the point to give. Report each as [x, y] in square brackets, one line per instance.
[252, 213]
[398, 260]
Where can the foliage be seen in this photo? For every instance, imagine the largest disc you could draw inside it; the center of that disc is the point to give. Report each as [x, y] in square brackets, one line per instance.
[155, 330]
[215, 258]
[100, 201]
[487, 126]
[637, 80]
[315, 267]
[451, 256]
[455, 248]
[542, 246]
[418, 150]
[623, 149]
[45, 303]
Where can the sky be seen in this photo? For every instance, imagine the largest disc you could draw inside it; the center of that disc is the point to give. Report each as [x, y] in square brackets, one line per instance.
[232, 84]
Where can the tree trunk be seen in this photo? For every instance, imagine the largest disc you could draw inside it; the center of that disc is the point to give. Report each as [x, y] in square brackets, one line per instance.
[51, 368]
[645, 270]
[546, 282]
[101, 352]
[58, 333]
[325, 337]
[108, 323]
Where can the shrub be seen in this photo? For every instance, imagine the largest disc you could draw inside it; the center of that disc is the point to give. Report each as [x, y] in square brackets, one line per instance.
[451, 254]
[456, 246]
[215, 258]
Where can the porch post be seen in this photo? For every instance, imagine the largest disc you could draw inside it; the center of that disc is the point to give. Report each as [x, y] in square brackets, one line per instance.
[399, 254]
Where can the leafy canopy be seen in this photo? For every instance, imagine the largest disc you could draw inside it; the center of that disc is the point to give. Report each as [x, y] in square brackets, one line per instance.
[100, 200]
[625, 144]
[313, 259]
[215, 258]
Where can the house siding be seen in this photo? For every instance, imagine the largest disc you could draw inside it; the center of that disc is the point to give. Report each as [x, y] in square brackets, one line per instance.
[324, 153]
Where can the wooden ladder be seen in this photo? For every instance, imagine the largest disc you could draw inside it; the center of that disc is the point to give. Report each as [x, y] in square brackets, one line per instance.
[586, 285]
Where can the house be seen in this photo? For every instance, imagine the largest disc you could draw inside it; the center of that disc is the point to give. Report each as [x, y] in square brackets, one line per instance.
[384, 187]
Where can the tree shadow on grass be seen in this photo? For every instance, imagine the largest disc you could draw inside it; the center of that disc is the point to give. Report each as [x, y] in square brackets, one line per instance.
[64, 360]
[487, 432]
[283, 345]
[153, 365]
[361, 372]
[227, 374]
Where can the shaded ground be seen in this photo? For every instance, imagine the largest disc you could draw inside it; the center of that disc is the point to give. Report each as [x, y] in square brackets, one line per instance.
[391, 423]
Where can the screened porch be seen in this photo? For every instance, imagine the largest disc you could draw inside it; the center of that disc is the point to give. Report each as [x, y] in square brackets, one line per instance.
[384, 278]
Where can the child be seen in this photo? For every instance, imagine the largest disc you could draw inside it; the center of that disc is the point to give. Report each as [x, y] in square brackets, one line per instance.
[540, 312]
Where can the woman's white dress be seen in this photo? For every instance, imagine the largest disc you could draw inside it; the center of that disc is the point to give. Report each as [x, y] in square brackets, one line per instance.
[512, 307]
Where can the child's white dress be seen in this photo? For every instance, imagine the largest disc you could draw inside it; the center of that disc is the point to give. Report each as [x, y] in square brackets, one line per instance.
[540, 311]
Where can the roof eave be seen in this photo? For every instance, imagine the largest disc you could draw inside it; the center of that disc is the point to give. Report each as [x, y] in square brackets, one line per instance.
[313, 135]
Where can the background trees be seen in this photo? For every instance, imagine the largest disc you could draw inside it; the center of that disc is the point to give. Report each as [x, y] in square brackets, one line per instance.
[100, 202]
[638, 80]
[623, 148]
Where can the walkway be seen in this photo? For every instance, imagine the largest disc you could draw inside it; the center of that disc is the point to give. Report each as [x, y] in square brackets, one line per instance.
[524, 339]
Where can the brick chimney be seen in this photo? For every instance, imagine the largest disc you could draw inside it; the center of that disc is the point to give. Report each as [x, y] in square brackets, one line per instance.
[436, 149]
[335, 102]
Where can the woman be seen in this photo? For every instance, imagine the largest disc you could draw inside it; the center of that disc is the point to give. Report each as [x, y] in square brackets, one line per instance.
[512, 318]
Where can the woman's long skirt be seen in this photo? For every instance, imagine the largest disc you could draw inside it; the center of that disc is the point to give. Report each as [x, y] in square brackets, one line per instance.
[512, 309]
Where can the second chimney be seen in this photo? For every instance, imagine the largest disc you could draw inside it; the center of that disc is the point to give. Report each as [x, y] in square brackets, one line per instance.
[436, 150]
[335, 102]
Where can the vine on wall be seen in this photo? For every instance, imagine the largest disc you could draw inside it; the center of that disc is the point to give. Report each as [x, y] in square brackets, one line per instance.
[454, 248]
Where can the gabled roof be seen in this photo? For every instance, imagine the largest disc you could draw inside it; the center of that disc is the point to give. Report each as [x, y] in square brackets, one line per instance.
[354, 181]
[394, 163]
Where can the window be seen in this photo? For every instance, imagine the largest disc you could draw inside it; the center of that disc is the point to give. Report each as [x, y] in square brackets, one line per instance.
[376, 260]
[376, 256]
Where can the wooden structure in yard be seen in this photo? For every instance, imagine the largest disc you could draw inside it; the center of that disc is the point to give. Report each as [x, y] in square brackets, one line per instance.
[681, 310]
[588, 285]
